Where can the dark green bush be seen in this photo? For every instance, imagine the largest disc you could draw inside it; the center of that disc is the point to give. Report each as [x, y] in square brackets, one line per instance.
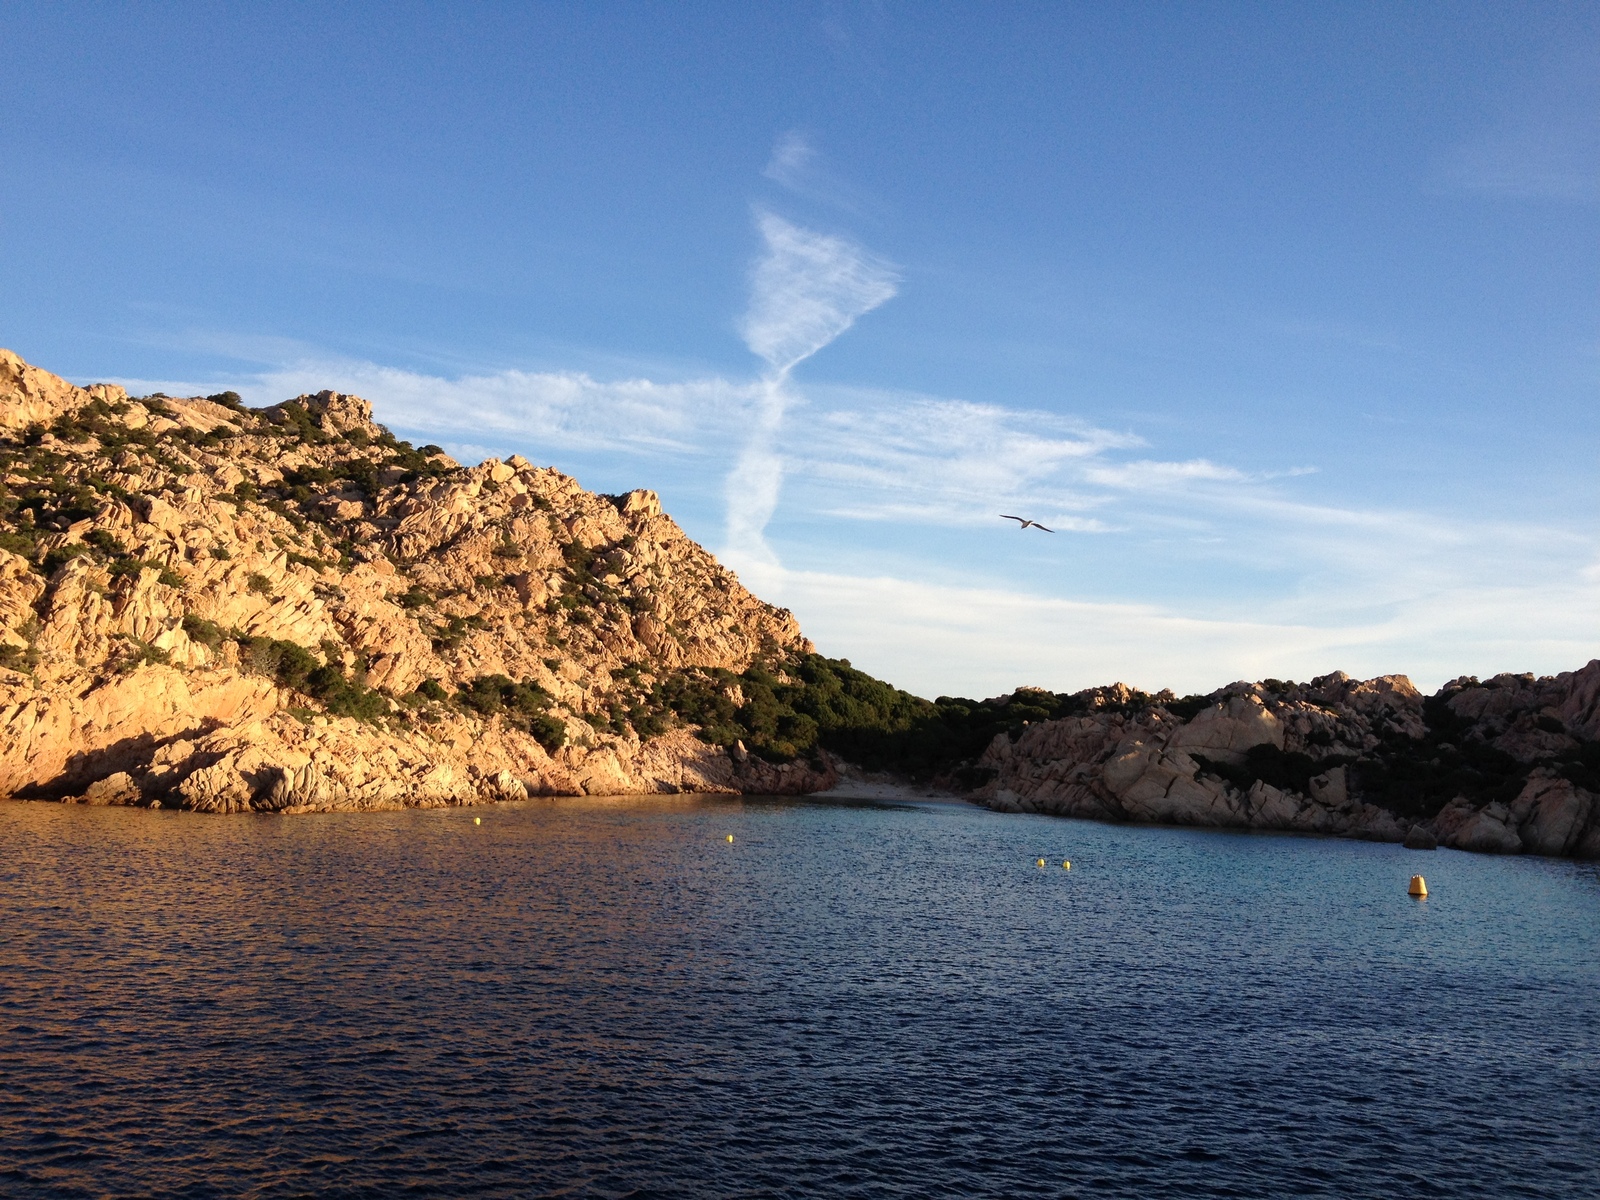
[344, 697]
[105, 541]
[520, 704]
[491, 694]
[61, 556]
[132, 567]
[139, 653]
[207, 633]
[550, 732]
[293, 666]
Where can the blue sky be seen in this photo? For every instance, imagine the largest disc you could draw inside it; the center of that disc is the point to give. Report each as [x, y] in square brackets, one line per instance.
[1287, 318]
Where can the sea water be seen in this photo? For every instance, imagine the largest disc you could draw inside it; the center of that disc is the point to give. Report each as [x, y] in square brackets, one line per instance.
[609, 998]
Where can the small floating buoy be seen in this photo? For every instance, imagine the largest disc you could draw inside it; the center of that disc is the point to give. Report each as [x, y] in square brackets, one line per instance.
[1419, 887]
[730, 837]
[1066, 864]
[1041, 862]
[477, 820]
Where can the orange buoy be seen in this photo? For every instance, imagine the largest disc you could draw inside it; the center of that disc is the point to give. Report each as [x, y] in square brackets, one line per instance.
[1419, 887]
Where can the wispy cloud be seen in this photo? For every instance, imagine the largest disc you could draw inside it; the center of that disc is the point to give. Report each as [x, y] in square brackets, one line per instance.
[797, 166]
[792, 156]
[806, 289]
[1148, 475]
[888, 456]
[554, 410]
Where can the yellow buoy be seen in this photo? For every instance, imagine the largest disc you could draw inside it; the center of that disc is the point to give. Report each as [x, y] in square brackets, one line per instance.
[1419, 887]
[730, 837]
[1041, 862]
[1066, 864]
[477, 820]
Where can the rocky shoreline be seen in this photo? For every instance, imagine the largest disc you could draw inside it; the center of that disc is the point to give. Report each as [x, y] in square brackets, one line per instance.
[1507, 765]
[223, 609]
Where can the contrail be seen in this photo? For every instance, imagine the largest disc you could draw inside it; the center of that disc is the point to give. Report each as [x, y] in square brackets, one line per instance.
[806, 289]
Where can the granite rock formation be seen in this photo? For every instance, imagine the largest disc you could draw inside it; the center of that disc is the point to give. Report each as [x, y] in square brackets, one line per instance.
[226, 609]
[1507, 765]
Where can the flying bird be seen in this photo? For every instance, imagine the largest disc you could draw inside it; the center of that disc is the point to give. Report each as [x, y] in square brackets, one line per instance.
[1026, 523]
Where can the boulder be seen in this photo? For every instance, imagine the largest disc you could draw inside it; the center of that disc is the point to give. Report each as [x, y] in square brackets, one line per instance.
[119, 788]
[1487, 831]
[1550, 813]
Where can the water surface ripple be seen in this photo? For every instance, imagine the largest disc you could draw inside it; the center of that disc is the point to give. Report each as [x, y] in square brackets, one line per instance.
[607, 998]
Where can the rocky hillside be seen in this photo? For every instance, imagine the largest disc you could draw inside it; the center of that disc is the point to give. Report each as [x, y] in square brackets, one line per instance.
[287, 609]
[1507, 765]
[225, 609]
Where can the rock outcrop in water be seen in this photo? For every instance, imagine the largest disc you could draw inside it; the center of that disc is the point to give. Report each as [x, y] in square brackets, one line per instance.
[1507, 765]
[224, 609]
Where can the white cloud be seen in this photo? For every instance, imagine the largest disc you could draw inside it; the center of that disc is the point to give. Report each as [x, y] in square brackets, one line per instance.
[881, 456]
[792, 155]
[1367, 590]
[797, 166]
[556, 410]
[1146, 475]
[806, 289]
[933, 639]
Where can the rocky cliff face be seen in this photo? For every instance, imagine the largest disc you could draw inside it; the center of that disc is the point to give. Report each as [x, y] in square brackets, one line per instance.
[228, 609]
[1508, 765]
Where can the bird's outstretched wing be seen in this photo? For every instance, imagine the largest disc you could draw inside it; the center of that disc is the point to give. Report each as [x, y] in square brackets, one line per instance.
[1027, 524]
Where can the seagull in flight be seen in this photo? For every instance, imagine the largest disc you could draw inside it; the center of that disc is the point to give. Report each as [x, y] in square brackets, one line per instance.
[1026, 524]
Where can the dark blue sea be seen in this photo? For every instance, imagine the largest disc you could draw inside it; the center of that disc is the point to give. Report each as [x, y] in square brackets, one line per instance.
[608, 998]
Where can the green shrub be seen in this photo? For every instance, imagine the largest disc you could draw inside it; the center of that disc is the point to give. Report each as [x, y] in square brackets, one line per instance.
[455, 631]
[259, 584]
[522, 705]
[297, 422]
[132, 566]
[24, 541]
[61, 556]
[344, 697]
[104, 541]
[549, 731]
[206, 633]
[295, 667]
[140, 653]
